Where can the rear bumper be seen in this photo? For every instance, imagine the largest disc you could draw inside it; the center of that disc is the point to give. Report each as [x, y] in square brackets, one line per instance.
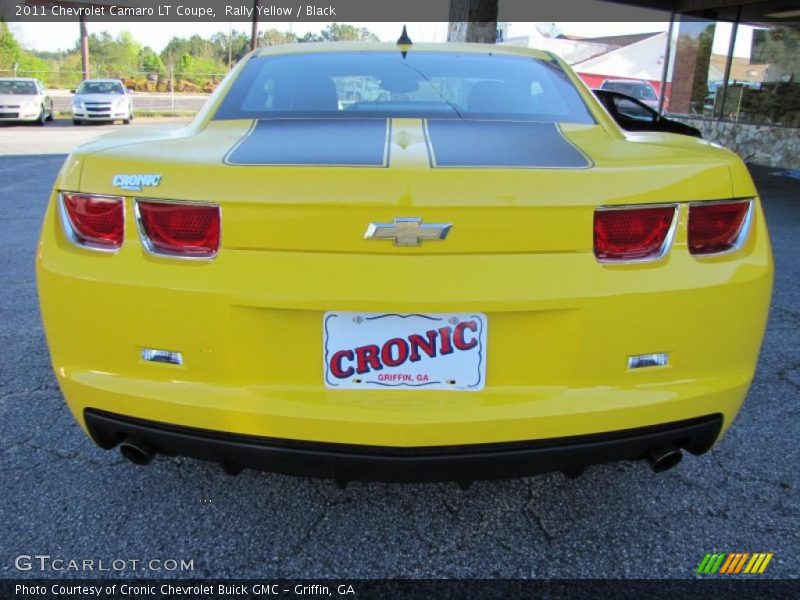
[249, 326]
[346, 462]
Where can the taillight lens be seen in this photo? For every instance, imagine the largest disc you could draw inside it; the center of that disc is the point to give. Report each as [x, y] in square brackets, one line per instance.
[180, 229]
[717, 226]
[633, 234]
[96, 222]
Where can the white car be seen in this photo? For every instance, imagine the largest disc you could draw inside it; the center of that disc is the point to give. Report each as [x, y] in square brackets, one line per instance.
[102, 100]
[24, 99]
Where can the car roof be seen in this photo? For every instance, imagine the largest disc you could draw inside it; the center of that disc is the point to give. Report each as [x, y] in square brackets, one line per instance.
[18, 79]
[318, 47]
[102, 80]
[639, 81]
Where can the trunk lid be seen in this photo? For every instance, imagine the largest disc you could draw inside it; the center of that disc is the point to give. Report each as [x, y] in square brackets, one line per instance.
[494, 207]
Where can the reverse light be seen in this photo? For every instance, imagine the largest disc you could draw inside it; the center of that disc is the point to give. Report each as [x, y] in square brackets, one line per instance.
[179, 229]
[639, 361]
[91, 221]
[717, 227]
[162, 356]
[634, 233]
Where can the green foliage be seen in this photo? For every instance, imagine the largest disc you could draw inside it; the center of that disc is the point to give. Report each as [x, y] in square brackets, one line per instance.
[150, 63]
[196, 63]
[113, 56]
[10, 50]
[341, 32]
[273, 37]
[235, 46]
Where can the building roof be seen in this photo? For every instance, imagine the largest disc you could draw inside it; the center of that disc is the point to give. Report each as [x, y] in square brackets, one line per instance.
[641, 60]
[617, 41]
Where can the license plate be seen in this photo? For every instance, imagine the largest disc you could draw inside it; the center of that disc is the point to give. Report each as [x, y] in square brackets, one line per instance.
[444, 351]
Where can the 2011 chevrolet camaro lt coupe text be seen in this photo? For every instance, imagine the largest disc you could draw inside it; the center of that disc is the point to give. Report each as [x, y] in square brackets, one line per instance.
[427, 262]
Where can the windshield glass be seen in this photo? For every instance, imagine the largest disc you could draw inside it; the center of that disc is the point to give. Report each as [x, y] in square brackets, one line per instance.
[27, 88]
[101, 87]
[423, 85]
[642, 91]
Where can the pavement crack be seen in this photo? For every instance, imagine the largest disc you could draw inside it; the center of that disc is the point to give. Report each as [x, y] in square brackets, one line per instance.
[67, 456]
[301, 544]
[532, 516]
[791, 375]
[42, 387]
[451, 507]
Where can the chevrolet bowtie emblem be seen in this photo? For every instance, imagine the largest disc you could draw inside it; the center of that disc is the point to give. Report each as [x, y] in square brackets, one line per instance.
[407, 231]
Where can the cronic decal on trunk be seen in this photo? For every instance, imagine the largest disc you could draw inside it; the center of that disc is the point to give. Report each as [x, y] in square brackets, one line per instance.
[314, 142]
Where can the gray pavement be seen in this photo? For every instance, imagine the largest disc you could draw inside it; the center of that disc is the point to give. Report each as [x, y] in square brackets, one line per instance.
[61, 136]
[66, 498]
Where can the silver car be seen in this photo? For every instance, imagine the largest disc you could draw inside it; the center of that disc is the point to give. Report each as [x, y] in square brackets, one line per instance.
[102, 100]
[635, 88]
[24, 99]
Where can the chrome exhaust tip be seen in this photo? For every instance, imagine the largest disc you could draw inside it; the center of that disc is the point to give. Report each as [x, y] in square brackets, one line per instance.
[137, 451]
[664, 458]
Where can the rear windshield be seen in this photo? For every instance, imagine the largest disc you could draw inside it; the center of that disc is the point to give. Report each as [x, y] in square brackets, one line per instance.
[101, 87]
[422, 85]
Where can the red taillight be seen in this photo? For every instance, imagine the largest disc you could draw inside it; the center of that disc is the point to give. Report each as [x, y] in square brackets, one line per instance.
[628, 234]
[717, 226]
[180, 228]
[96, 222]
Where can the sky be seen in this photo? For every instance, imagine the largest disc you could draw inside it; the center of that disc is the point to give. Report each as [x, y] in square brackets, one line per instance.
[64, 36]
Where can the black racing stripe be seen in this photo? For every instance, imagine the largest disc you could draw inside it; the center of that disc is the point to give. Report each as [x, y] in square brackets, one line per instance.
[502, 144]
[313, 142]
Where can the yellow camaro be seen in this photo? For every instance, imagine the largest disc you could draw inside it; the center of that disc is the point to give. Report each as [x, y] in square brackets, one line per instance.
[433, 262]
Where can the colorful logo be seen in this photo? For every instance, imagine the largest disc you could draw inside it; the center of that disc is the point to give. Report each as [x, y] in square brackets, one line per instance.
[734, 563]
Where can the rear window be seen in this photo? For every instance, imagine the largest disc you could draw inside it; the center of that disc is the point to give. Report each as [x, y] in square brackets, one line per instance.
[422, 85]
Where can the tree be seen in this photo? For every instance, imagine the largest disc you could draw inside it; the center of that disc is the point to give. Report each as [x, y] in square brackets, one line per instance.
[10, 50]
[273, 37]
[114, 56]
[233, 45]
[341, 32]
[473, 21]
[150, 62]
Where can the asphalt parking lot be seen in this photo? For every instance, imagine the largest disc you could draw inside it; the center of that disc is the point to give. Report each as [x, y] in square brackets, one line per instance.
[66, 498]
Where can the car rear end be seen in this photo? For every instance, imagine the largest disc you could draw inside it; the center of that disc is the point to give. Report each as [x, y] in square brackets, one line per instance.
[232, 293]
